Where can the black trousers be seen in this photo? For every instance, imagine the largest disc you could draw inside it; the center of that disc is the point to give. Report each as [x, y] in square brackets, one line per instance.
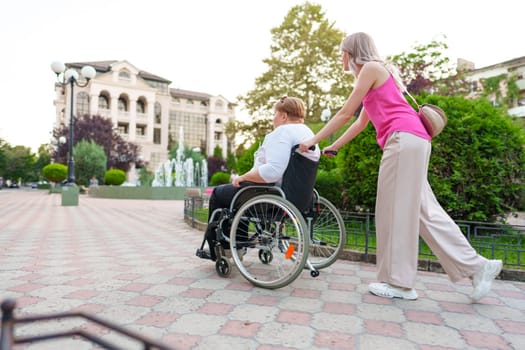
[221, 197]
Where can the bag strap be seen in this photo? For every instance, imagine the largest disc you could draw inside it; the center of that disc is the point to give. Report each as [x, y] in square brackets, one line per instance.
[405, 91]
[413, 99]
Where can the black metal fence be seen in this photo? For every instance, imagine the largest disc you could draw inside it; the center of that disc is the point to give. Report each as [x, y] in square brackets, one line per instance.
[8, 339]
[492, 240]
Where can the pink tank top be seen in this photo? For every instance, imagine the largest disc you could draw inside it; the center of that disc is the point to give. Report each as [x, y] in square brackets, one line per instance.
[388, 111]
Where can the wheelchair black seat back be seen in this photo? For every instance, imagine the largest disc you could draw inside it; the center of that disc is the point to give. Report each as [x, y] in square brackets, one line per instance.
[297, 184]
[299, 180]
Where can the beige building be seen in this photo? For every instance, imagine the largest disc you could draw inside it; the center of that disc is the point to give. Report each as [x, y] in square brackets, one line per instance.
[146, 111]
[500, 73]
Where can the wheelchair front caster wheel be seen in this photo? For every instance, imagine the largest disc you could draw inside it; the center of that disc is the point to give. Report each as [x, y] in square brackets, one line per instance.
[265, 256]
[223, 267]
[314, 273]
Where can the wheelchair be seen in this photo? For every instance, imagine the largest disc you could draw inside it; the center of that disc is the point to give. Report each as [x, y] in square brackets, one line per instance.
[273, 233]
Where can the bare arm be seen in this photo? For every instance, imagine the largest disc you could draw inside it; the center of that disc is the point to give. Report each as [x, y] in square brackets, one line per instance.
[354, 130]
[251, 176]
[366, 80]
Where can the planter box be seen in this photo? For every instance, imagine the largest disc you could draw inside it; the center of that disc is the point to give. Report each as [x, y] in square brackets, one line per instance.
[141, 192]
[69, 195]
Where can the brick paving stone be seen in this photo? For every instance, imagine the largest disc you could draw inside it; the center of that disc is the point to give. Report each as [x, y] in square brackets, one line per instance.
[294, 317]
[486, 340]
[133, 263]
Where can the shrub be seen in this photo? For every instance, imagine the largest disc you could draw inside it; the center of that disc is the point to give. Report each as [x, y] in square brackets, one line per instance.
[115, 177]
[90, 160]
[329, 184]
[55, 172]
[220, 178]
[245, 160]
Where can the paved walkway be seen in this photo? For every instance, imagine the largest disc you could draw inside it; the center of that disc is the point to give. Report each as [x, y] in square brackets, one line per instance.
[132, 262]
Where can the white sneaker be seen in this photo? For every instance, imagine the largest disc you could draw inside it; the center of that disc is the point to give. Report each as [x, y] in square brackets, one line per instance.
[386, 290]
[482, 280]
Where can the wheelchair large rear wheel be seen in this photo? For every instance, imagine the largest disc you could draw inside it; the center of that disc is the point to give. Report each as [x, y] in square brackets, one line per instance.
[268, 241]
[328, 235]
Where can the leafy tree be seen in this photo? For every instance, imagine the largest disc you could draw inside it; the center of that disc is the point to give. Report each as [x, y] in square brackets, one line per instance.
[217, 152]
[90, 160]
[18, 163]
[43, 159]
[304, 62]
[3, 157]
[146, 177]
[230, 130]
[120, 153]
[231, 162]
[187, 153]
[245, 160]
[426, 68]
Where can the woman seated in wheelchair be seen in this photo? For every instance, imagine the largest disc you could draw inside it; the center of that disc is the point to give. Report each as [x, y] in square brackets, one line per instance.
[270, 161]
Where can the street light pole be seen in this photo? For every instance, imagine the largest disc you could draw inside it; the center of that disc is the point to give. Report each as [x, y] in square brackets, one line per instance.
[70, 77]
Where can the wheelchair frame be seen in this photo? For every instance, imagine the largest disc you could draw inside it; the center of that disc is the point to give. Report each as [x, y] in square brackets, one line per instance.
[286, 240]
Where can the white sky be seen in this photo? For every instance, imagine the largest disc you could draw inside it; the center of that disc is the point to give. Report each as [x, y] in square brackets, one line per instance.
[214, 46]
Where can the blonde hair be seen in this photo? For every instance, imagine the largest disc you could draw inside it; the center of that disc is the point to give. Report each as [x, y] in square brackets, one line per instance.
[362, 49]
[293, 106]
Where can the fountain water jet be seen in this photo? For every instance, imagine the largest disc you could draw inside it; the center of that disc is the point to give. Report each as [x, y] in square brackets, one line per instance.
[187, 174]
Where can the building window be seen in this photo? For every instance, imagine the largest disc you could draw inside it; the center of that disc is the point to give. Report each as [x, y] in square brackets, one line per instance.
[158, 113]
[141, 106]
[123, 128]
[103, 101]
[218, 136]
[122, 104]
[141, 130]
[124, 75]
[218, 121]
[82, 103]
[156, 136]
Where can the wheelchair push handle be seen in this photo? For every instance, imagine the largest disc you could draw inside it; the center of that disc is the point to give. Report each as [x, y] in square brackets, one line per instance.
[330, 153]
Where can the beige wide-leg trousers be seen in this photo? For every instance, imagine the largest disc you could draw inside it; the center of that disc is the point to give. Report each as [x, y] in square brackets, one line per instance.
[406, 208]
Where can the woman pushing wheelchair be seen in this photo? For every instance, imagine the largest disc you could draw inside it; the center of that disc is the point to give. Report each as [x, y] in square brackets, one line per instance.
[270, 161]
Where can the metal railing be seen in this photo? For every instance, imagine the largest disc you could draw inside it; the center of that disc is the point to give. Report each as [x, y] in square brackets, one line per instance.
[8, 338]
[492, 240]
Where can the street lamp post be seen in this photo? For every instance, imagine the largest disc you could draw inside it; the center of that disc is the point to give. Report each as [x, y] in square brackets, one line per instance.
[326, 114]
[70, 77]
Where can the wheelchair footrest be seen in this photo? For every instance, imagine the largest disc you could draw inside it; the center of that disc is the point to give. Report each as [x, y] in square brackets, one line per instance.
[203, 254]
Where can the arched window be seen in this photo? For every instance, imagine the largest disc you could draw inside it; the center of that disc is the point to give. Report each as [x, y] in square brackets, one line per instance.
[82, 103]
[218, 121]
[124, 75]
[158, 113]
[141, 106]
[123, 103]
[103, 101]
